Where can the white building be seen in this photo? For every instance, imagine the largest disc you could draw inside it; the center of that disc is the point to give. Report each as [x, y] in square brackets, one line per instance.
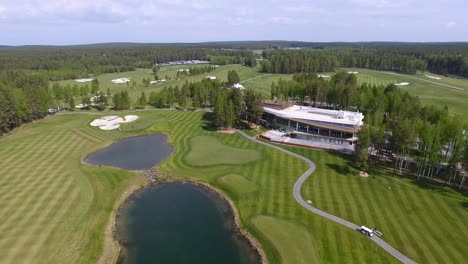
[238, 86]
[314, 124]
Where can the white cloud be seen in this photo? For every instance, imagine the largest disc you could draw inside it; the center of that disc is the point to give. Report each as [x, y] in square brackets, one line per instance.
[451, 24]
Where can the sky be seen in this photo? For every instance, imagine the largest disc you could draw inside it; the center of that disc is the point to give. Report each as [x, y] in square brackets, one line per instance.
[63, 22]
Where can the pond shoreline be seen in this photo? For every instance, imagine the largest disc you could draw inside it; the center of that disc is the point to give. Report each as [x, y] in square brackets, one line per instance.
[116, 256]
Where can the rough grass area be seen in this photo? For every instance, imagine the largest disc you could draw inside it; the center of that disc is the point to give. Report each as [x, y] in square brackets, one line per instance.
[237, 184]
[208, 151]
[423, 222]
[300, 247]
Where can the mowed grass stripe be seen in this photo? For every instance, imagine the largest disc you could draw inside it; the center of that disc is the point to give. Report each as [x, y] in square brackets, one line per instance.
[407, 229]
[50, 216]
[438, 232]
[57, 214]
[30, 182]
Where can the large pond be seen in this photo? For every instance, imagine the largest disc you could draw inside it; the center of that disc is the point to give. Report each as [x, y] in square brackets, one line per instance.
[134, 153]
[180, 223]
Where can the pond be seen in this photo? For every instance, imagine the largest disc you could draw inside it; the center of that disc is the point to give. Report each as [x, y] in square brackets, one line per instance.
[134, 153]
[180, 222]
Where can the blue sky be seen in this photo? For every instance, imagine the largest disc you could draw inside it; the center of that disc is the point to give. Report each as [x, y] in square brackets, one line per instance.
[59, 22]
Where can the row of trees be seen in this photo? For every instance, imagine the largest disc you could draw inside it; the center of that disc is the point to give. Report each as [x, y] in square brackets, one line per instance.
[294, 61]
[23, 98]
[340, 92]
[425, 140]
[232, 105]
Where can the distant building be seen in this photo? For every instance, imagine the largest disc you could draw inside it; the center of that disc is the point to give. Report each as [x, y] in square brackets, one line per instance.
[314, 124]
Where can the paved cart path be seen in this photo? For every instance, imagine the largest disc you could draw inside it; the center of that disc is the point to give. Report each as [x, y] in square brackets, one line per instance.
[303, 203]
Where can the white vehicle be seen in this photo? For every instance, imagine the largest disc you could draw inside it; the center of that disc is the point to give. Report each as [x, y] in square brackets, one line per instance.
[366, 231]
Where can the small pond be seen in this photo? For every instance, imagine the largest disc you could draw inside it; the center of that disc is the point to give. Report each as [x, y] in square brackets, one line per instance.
[134, 153]
[179, 222]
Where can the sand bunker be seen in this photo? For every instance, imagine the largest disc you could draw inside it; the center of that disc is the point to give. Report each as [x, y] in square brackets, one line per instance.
[363, 174]
[433, 77]
[353, 72]
[112, 122]
[402, 83]
[84, 80]
[121, 80]
[323, 76]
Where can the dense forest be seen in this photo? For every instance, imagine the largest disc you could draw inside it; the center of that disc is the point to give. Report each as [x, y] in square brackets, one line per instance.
[445, 60]
[294, 61]
[419, 139]
[75, 62]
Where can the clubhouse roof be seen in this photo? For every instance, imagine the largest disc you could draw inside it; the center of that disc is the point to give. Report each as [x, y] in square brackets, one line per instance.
[312, 114]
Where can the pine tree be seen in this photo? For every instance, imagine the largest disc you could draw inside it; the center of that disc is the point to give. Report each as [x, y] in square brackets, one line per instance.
[71, 104]
[95, 86]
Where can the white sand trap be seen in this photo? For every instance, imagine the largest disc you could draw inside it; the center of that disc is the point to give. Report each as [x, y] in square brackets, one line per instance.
[130, 118]
[309, 201]
[121, 80]
[110, 127]
[112, 122]
[323, 76]
[402, 83]
[353, 72]
[83, 80]
[433, 77]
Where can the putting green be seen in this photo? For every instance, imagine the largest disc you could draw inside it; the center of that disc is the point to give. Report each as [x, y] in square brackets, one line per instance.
[209, 151]
[300, 246]
[237, 184]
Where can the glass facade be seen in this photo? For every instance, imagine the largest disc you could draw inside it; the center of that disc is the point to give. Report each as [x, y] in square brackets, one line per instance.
[311, 132]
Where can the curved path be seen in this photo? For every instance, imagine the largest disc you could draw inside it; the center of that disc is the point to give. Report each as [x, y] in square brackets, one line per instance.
[303, 203]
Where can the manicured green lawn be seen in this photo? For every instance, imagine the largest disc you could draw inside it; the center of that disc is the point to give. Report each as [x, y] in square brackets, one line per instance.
[300, 246]
[425, 223]
[208, 150]
[237, 184]
[274, 176]
[55, 209]
[262, 83]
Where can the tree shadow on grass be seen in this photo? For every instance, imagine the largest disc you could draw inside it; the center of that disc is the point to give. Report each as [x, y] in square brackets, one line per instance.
[465, 204]
[341, 169]
[349, 166]
[208, 122]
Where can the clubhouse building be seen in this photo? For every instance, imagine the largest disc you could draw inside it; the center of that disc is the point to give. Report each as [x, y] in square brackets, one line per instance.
[314, 125]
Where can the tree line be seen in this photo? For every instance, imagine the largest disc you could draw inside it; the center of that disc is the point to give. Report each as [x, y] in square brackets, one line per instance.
[339, 92]
[296, 61]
